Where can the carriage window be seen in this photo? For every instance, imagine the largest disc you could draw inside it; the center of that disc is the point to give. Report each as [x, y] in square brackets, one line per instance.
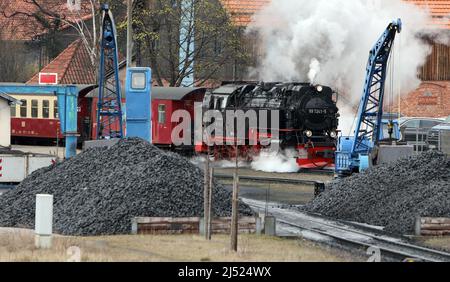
[45, 109]
[162, 113]
[13, 110]
[55, 109]
[34, 108]
[23, 108]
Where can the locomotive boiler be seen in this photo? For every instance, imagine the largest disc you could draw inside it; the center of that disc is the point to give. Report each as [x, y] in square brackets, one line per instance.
[307, 120]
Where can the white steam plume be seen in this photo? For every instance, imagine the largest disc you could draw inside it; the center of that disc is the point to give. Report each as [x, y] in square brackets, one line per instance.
[314, 70]
[270, 161]
[298, 34]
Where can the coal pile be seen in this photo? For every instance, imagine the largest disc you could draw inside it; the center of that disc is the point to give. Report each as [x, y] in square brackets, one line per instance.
[391, 195]
[99, 191]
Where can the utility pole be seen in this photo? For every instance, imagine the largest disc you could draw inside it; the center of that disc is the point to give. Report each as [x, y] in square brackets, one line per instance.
[206, 197]
[234, 213]
[129, 32]
[235, 200]
[211, 179]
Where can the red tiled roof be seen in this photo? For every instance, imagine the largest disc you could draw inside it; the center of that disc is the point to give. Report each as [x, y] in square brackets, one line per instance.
[241, 11]
[439, 10]
[72, 66]
[16, 24]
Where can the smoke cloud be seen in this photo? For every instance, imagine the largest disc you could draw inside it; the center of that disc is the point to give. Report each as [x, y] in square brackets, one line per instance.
[328, 42]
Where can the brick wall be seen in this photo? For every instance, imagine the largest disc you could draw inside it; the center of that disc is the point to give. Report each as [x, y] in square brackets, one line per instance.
[431, 99]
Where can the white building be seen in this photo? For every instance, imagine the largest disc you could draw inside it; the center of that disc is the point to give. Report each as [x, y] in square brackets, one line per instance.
[5, 118]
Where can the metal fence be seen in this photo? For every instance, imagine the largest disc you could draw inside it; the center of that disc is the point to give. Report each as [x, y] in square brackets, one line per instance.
[418, 139]
[438, 139]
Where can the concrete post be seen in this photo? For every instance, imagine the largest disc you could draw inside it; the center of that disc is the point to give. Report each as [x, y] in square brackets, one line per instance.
[259, 227]
[418, 226]
[202, 227]
[44, 221]
[270, 226]
[134, 226]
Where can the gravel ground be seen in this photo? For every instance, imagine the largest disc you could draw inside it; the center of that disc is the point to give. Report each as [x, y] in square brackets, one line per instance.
[100, 190]
[391, 195]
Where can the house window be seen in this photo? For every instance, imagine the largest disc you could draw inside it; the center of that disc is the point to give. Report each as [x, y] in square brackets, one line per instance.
[55, 109]
[34, 108]
[23, 108]
[45, 109]
[162, 114]
[13, 110]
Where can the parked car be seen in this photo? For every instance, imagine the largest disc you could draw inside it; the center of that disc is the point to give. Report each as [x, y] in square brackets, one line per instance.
[414, 131]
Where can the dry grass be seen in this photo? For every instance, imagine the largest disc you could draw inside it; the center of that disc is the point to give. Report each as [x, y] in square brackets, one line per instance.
[19, 246]
[438, 242]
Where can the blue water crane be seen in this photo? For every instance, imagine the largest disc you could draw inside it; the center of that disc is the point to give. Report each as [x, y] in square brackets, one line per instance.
[354, 152]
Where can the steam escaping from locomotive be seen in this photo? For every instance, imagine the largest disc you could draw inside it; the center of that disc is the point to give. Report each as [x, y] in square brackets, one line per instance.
[280, 162]
[314, 70]
[298, 34]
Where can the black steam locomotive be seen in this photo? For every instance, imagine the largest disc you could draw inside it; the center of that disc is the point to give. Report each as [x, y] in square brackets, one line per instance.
[308, 118]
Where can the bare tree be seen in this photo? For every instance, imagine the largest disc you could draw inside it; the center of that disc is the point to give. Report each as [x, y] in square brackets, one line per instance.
[47, 18]
[216, 40]
[12, 61]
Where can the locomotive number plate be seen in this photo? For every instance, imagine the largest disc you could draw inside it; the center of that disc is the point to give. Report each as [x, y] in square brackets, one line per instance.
[317, 111]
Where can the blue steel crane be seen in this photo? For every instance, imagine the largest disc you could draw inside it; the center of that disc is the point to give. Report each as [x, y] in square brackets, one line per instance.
[109, 108]
[354, 152]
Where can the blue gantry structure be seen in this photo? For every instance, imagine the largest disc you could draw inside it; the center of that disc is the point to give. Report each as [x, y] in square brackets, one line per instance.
[110, 113]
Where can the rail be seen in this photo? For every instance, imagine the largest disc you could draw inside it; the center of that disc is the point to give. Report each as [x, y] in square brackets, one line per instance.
[349, 234]
[269, 179]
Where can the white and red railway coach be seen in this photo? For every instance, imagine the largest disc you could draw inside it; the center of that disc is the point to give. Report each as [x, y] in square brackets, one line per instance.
[36, 119]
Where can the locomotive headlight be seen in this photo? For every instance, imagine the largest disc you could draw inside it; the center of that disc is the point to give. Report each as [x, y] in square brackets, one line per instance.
[308, 133]
[319, 88]
[333, 134]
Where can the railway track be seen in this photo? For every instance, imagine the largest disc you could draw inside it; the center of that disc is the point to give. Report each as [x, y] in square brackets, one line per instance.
[355, 236]
[269, 179]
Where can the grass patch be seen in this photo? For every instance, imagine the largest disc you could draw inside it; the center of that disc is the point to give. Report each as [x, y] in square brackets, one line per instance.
[252, 248]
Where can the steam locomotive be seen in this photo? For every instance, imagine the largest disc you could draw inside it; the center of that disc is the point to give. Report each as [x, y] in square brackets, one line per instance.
[307, 120]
